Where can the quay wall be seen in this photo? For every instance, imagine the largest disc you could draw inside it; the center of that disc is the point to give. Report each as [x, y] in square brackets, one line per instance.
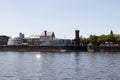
[104, 48]
[42, 48]
[60, 48]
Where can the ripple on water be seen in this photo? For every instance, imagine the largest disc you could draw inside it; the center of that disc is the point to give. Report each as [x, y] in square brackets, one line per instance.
[9, 78]
[56, 66]
[102, 72]
[68, 79]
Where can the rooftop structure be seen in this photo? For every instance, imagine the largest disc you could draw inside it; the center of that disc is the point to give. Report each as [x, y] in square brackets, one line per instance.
[47, 36]
[34, 36]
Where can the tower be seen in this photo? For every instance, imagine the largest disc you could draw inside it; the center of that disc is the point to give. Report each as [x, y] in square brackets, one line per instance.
[77, 39]
[21, 35]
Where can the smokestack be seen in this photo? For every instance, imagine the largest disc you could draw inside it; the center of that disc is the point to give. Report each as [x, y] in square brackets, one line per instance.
[45, 33]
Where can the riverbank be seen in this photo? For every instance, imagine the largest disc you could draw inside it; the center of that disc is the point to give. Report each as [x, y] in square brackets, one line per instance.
[43, 48]
[23, 48]
[104, 49]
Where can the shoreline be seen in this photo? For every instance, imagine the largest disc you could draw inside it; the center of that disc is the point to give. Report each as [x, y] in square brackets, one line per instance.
[103, 49]
[23, 48]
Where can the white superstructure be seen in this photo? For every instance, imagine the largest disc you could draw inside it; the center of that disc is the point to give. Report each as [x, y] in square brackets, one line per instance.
[15, 41]
[57, 42]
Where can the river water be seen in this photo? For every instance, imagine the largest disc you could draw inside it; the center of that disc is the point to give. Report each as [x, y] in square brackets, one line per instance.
[59, 66]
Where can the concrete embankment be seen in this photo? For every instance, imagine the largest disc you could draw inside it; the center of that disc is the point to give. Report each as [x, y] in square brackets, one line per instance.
[104, 48]
[43, 48]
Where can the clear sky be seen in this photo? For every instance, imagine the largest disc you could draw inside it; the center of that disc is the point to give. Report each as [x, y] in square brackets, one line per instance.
[60, 16]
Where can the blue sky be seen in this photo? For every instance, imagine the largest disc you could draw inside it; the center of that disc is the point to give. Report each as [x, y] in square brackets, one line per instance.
[60, 16]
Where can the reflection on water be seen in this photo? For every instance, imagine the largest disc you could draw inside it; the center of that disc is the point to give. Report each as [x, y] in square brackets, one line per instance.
[38, 56]
[59, 66]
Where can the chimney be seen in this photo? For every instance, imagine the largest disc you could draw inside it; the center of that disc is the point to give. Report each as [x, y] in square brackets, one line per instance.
[45, 33]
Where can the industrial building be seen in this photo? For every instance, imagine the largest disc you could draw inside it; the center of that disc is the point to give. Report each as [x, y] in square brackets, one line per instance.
[33, 40]
[3, 39]
[36, 40]
[57, 42]
[16, 40]
[47, 36]
[45, 39]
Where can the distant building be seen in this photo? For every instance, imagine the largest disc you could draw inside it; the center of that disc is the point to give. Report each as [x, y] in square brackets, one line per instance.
[45, 39]
[33, 40]
[36, 40]
[57, 42]
[3, 39]
[16, 40]
[21, 35]
[47, 36]
[48, 39]
[77, 38]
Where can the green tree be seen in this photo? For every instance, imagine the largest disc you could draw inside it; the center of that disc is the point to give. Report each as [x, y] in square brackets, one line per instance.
[101, 39]
[93, 40]
[97, 40]
[111, 38]
[83, 41]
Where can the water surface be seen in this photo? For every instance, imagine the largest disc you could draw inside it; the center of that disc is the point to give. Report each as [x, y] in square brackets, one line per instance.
[59, 66]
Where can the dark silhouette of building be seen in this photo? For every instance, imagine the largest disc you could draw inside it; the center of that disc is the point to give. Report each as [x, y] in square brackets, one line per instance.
[77, 39]
[3, 40]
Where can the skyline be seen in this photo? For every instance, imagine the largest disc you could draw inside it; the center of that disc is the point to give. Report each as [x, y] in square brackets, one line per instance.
[60, 16]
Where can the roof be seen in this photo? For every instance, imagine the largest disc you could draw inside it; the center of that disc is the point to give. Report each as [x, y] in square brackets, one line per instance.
[34, 36]
[47, 33]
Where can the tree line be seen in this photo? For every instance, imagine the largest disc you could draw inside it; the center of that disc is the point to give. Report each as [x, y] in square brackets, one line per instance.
[102, 39]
